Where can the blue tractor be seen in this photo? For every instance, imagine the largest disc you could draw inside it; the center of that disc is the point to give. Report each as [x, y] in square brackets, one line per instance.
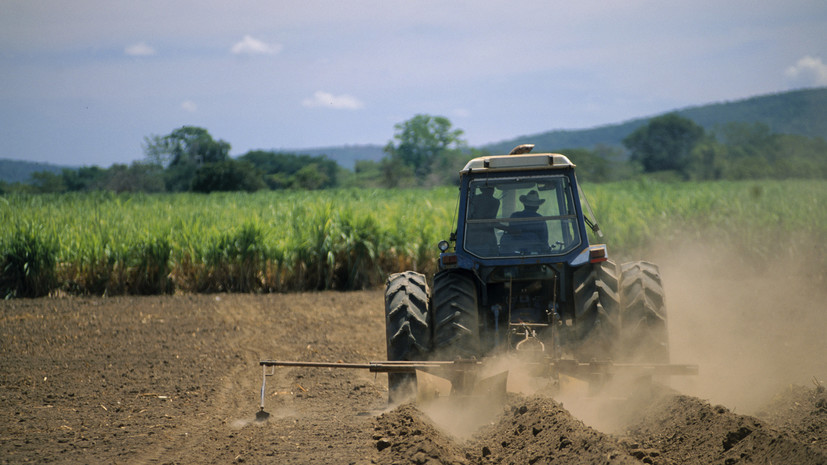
[520, 274]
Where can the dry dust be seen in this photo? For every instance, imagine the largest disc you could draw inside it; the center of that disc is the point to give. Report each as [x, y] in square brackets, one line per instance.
[753, 329]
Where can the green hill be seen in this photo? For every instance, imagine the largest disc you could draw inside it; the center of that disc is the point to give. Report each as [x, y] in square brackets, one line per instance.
[21, 171]
[802, 112]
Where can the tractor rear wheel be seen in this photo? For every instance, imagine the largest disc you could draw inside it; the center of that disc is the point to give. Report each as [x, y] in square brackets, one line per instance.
[456, 316]
[645, 337]
[407, 327]
[597, 308]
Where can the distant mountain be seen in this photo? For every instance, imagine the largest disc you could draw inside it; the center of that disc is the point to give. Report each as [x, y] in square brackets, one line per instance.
[802, 112]
[12, 171]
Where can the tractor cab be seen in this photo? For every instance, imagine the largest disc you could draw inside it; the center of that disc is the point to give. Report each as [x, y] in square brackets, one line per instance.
[519, 209]
[518, 216]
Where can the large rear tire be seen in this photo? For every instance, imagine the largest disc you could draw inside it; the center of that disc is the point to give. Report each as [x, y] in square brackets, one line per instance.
[645, 337]
[597, 311]
[456, 316]
[407, 327]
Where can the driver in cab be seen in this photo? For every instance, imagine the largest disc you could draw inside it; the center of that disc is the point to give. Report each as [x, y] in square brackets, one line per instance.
[527, 236]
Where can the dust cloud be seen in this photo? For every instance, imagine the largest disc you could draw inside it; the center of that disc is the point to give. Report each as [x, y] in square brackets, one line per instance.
[753, 330]
[752, 326]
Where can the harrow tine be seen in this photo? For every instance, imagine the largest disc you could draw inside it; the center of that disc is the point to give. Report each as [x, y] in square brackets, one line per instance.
[261, 415]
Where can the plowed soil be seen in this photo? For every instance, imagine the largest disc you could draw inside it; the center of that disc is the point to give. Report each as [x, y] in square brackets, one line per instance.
[175, 379]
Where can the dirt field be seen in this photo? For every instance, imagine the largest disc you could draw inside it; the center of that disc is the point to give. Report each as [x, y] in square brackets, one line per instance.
[175, 379]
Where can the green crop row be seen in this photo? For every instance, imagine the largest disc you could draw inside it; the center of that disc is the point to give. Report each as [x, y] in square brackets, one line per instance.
[106, 244]
[757, 220]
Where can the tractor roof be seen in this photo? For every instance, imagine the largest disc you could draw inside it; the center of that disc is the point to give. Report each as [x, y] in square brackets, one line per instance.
[521, 162]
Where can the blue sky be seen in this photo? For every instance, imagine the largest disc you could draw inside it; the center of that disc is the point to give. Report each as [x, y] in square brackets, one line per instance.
[83, 82]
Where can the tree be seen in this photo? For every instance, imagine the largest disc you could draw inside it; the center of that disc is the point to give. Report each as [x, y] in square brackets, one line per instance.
[395, 173]
[803, 156]
[181, 152]
[665, 143]
[708, 160]
[309, 177]
[422, 141]
[228, 175]
[185, 145]
[288, 170]
[137, 177]
[86, 178]
[46, 181]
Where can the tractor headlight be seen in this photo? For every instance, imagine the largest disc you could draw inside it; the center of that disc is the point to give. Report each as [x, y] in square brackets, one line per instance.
[443, 246]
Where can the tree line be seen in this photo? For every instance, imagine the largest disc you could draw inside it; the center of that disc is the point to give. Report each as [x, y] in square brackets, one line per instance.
[676, 146]
[428, 151]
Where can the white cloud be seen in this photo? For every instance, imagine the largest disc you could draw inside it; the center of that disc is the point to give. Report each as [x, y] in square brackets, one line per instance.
[141, 49]
[252, 46]
[808, 71]
[338, 102]
[189, 106]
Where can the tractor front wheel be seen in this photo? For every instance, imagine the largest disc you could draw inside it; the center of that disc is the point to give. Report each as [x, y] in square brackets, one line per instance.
[407, 327]
[456, 316]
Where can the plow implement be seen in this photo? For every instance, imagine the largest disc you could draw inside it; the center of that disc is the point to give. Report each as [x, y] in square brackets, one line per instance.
[469, 378]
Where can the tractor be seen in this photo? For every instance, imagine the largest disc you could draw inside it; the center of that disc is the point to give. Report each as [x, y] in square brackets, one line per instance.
[520, 274]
